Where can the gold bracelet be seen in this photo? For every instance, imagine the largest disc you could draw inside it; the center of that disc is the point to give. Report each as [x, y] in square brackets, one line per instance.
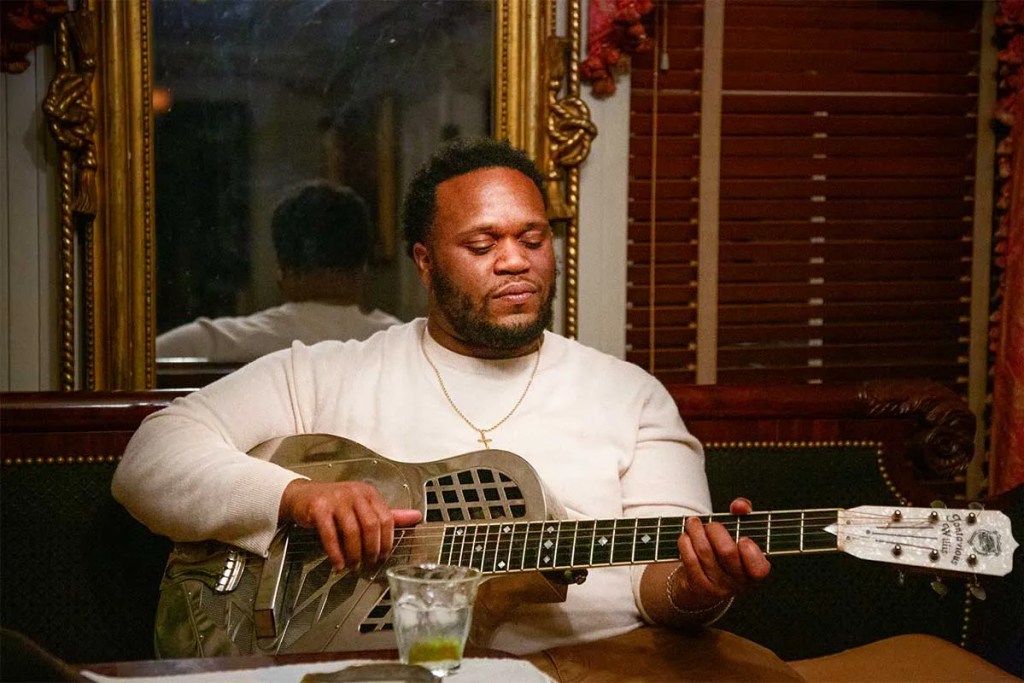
[691, 612]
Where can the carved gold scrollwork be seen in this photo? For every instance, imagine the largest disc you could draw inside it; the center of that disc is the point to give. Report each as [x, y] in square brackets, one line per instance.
[72, 121]
[68, 104]
[571, 131]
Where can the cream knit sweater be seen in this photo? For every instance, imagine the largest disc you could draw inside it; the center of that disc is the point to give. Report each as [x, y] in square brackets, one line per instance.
[604, 436]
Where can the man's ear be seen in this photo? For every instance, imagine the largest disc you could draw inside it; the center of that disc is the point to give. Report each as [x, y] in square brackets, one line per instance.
[421, 255]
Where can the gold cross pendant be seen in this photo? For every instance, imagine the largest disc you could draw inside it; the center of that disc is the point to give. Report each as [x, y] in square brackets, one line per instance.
[483, 439]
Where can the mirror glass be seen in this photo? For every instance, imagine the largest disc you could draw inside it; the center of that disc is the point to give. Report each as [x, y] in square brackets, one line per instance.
[252, 97]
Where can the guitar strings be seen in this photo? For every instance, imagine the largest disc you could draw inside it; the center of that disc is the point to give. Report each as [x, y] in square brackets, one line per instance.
[787, 524]
[780, 529]
[774, 528]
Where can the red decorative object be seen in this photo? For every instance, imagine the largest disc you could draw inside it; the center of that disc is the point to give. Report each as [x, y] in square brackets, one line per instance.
[614, 31]
[1006, 334]
[22, 27]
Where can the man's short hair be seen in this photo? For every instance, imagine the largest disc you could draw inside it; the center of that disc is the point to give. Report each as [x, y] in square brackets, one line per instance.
[454, 159]
[321, 226]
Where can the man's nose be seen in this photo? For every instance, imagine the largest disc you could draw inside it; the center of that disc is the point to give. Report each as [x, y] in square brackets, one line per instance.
[512, 257]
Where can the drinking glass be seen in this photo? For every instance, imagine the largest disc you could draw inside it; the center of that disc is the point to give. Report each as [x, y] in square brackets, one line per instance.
[432, 606]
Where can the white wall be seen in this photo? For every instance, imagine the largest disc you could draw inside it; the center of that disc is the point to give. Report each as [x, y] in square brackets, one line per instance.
[603, 215]
[29, 240]
[603, 211]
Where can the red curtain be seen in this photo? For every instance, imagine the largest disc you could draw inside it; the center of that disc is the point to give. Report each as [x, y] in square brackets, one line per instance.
[1006, 457]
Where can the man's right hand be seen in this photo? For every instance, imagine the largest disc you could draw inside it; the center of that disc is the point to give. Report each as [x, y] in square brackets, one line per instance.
[355, 524]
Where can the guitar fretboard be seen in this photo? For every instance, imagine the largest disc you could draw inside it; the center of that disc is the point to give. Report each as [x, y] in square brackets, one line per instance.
[505, 546]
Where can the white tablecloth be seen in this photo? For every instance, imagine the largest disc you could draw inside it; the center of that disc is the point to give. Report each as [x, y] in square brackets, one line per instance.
[473, 670]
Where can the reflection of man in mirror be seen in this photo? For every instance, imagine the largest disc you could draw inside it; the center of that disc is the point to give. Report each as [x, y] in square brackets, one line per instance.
[323, 239]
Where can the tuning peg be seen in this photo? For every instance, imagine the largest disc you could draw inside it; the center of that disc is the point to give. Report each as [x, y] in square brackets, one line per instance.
[977, 590]
[938, 504]
[939, 587]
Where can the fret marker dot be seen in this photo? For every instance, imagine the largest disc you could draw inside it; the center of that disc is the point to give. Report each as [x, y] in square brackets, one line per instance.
[548, 544]
[506, 528]
[478, 548]
[550, 529]
[546, 559]
[458, 532]
[645, 538]
[501, 565]
[602, 540]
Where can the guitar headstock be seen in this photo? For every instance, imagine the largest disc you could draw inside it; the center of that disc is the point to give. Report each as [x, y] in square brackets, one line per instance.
[941, 540]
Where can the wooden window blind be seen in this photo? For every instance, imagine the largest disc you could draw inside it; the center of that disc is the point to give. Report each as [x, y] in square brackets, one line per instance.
[845, 191]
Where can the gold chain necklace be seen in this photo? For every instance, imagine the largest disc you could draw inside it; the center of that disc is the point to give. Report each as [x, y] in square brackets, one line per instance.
[483, 432]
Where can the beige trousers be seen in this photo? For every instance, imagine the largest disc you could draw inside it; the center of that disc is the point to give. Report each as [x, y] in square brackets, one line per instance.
[653, 654]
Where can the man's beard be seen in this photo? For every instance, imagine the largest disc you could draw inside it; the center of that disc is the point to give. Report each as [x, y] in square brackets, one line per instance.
[471, 324]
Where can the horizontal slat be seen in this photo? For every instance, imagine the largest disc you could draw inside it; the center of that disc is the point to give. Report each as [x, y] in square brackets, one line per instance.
[665, 295]
[833, 332]
[683, 13]
[872, 62]
[771, 231]
[911, 312]
[664, 274]
[839, 311]
[639, 338]
[826, 37]
[681, 337]
[940, 188]
[894, 352]
[872, 83]
[669, 210]
[684, 359]
[687, 57]
[839, 125]
[838, 250]
[642, 102]
[950, 375]
[668, 124]
[670, 167]
[666, 189]
[681, 80]
[851, 14]
[668, 145]
[845, 271]
[664, 315]
[860, 146]
[840, 103]
[841, 291]
[666, 252]
[830, 209]
[846, 167]
[665, 231]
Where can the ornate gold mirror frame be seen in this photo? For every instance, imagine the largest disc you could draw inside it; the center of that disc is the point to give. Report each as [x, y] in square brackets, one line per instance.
[99, 110]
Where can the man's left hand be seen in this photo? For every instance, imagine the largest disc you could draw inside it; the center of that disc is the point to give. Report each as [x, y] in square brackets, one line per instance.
[715, 566]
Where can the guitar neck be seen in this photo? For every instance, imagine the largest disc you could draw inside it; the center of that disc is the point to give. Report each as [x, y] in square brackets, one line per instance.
[504, 546]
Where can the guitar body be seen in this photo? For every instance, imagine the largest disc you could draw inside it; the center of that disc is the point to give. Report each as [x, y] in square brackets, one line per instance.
[217, 601]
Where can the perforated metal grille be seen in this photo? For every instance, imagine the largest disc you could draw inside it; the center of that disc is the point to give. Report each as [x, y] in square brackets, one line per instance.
[473, 494]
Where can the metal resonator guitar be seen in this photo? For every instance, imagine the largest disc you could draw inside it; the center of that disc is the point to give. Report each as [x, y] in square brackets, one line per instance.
[489, 510]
